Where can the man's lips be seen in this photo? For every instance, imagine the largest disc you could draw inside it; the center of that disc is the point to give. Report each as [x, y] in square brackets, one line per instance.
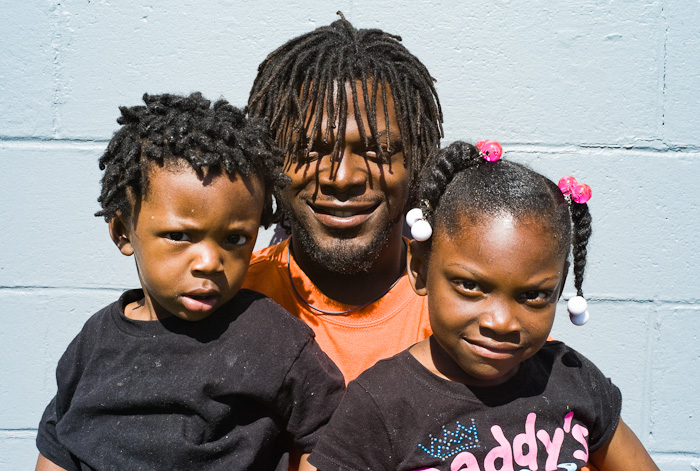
[343, 216]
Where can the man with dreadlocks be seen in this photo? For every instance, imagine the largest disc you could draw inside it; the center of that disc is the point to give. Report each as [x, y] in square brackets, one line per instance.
[357, 116]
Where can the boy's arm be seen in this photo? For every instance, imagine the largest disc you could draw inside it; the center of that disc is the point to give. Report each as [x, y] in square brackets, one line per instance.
[624, 452]
[44, 464]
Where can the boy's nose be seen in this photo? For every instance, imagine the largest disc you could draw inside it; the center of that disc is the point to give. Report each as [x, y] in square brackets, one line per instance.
[208, 259]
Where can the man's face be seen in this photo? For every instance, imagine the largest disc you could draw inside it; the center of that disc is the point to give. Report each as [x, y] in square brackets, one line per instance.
[344, 210]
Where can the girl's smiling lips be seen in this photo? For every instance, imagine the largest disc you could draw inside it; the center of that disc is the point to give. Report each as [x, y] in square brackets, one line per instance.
[492, 350]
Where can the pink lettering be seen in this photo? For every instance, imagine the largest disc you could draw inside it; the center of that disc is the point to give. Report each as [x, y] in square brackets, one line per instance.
[567, 421]
[552, 446]
[503, 451]
[579, 432]
[465, 459]
[527, 438]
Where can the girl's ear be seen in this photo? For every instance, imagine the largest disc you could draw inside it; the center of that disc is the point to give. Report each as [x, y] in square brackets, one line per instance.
[119, 232]
[417, 264]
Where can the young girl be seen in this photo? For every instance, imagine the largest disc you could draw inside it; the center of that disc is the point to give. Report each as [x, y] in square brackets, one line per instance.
[487, 391]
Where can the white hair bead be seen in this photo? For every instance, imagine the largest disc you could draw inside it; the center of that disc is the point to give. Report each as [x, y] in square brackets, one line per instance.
[578, 310]
[577, 305]
[413, 215]
[579, 319]
[421, 230]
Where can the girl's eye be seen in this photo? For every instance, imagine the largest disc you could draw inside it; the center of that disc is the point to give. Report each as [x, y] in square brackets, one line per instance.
[178, 236]
[536, 298]
[237, 239]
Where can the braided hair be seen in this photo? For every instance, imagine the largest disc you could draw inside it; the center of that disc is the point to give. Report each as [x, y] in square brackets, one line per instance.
[459, 183]
[305, 75]
[178, 129]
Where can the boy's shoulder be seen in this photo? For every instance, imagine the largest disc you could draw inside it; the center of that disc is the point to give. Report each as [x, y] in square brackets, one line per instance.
[265, 314]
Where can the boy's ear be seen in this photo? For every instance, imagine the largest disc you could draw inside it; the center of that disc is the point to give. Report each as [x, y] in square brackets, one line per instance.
[563, 280]
[119, 232]
[417, 266]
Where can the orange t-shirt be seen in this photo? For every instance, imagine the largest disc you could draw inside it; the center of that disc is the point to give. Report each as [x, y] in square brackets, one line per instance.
[356, 340]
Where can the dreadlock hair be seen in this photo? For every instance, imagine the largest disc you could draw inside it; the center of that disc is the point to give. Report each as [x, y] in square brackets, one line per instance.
[295, 81]
[459, 183]
[174, 129]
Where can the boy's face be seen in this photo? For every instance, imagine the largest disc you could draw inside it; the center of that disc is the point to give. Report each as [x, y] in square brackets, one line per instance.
[192, 237]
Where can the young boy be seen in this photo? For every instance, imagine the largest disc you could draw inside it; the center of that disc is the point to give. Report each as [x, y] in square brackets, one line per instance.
[188, 372]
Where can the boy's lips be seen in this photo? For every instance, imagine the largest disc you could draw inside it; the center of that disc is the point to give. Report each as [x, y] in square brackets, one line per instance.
[200, 301]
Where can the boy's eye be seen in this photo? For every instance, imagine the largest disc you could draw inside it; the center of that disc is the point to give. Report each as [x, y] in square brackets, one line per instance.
[177, 236]
[237, 239]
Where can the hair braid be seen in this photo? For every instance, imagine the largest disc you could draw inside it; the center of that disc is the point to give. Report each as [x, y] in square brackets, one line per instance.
[581, 220]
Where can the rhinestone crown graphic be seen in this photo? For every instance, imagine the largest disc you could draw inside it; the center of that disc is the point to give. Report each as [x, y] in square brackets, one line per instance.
[451, 442]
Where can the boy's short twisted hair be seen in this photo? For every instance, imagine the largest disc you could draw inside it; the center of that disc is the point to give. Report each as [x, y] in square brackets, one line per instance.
[172, 129]
[298, 78]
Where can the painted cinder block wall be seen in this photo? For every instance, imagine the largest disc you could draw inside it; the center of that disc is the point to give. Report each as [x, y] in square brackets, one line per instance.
[604, 90]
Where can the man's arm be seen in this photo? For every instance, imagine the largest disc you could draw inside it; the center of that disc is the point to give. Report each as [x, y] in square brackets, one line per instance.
[44, 464]
[624, 452]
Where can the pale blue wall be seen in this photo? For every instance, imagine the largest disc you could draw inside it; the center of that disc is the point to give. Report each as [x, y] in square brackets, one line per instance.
[606, 90]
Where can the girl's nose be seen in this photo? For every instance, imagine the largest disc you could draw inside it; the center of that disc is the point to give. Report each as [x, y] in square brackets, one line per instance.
[500, 318]
[208, 258]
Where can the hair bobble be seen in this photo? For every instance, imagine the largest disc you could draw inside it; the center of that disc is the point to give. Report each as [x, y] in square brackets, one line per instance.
[490, 150]
[578, 310]
[579, 192]
[421, 229]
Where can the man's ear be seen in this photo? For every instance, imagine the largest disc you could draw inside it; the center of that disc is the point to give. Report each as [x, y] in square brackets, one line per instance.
[563, 279]
[119, 232]
[417, 266]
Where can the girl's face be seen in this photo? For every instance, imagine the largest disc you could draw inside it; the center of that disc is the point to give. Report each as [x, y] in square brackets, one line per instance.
[493, 290]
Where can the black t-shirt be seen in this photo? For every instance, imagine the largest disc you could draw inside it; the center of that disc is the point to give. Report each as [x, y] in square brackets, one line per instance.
[233, 391]
[399, 416]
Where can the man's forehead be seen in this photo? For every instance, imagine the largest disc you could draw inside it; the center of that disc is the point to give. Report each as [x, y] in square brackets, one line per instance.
[346, 104]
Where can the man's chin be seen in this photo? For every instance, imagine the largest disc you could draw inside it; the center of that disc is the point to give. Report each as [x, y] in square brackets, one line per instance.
[346, 256]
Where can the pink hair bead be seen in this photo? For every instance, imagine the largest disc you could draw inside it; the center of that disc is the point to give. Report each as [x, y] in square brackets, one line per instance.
[491, 150]
[566, 183]
[581, 193]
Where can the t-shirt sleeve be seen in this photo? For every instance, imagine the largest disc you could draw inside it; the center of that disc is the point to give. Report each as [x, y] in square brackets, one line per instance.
[356, 437]
[311, 392]
[606, 400]
[47, 441]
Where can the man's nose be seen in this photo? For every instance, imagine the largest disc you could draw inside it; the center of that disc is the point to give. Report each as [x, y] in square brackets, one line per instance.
[347, 174]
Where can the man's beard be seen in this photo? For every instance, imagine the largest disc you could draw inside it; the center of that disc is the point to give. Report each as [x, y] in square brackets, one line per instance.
[341, 256]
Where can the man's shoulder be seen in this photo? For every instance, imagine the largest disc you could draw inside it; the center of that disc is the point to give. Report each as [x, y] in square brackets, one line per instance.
[273, 254]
